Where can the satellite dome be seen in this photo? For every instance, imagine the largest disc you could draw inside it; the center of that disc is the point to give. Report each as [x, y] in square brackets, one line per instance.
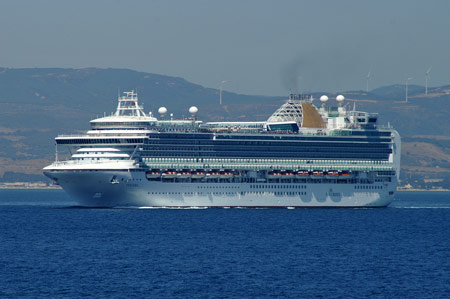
[193, 110]
[162, 110]
[340, 98]
[324, 99]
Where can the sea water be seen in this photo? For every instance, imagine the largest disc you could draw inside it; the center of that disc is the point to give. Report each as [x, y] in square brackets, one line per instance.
[49, 247]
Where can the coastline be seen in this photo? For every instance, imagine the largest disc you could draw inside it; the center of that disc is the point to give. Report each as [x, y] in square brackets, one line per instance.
[423, 190]
[21, 186]
[31, 188]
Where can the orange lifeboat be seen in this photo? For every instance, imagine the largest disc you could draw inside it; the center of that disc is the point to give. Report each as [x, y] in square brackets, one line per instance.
[274, 175]
[332, 174]
[288, 174]
[169, 174]
[301, 174]
[344, 174]
[198, 174]
[317, 173]
[214, 174]
[227, 174]
[184, 174]
[153, 174]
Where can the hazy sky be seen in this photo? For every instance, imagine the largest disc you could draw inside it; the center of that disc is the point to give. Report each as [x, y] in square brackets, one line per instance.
[260, 47]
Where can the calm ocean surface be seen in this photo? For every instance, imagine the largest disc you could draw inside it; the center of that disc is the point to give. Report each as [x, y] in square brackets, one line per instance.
[50, 248]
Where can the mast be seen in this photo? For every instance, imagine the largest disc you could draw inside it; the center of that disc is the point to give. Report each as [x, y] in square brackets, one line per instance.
[128, 105]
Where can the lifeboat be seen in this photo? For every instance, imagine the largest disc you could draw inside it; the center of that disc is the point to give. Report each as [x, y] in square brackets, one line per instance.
[274, 175]
[317, 174]
[332, 174]
[288, 174]
[344, 174]
[214, 174]
[184, 174]
[227, 174]
[302, 174]
[198, 174]
[153, 174]
[169, 174]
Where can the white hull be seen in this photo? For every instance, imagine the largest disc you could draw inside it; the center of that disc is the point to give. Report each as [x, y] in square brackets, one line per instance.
[96, 189]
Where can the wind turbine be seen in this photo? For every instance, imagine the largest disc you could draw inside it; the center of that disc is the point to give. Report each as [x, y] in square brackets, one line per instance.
[367, 81]
[220, 91]
[407, 80]
[427, 77]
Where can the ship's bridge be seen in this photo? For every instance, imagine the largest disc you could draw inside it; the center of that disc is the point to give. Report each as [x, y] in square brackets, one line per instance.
[95, 153]
[129, 114]
[122, 122]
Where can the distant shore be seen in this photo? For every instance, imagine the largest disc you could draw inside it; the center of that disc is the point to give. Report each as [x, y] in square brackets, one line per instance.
[31, 186]
[423, 190]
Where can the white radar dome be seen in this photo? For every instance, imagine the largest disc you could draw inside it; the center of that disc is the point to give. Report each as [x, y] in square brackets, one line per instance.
[162, 110]
[193, 110]
[340, 98]
[324, 99]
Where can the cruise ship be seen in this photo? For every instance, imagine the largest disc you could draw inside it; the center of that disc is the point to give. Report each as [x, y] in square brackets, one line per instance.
[303, 155]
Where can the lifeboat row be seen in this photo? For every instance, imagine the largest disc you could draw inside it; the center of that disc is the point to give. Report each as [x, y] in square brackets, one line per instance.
[281, 175]
[306, 173]
[197, 174]
[228, 174]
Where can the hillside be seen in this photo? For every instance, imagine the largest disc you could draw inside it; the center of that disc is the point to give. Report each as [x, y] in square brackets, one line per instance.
[38, 104]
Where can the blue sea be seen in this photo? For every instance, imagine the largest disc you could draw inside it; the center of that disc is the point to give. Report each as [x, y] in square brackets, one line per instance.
[49, 247]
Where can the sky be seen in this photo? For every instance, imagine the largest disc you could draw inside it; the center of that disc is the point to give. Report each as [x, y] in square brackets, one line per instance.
[258, 46]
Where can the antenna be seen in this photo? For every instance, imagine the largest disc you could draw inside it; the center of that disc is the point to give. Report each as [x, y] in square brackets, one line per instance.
[367, 81]
[220, 91]
[340, 99]
[324, 100]
[406, 97]
[427, 77]
[193, 111]
[162, 111]
[299, 78]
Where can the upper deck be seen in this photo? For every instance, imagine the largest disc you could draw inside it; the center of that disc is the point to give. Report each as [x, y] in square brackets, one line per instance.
[297, 116]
